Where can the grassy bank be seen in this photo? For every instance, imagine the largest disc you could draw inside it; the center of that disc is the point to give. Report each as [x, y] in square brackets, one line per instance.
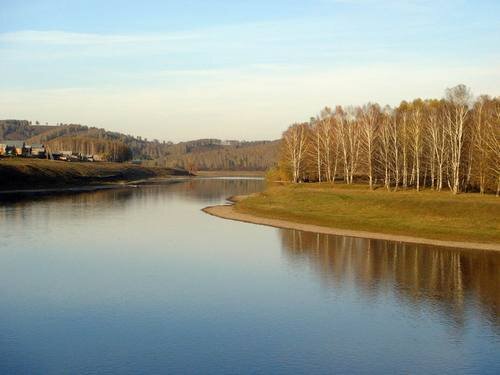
[426, 214]
[20, 173]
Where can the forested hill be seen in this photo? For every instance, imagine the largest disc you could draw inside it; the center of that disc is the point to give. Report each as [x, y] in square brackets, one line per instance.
[202, 154]
[237, 156]
[84, 139]
[14, 130]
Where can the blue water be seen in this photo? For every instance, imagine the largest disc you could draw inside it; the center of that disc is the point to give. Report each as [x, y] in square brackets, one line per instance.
[140, 281]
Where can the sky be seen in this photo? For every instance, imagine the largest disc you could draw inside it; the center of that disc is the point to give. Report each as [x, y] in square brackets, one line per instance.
[180, 70]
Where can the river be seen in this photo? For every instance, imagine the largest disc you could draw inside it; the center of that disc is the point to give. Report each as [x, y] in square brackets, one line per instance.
[140, 281]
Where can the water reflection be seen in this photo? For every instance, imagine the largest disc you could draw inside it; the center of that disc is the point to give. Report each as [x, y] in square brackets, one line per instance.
[452, 281]
[139, 280]
[197, 189]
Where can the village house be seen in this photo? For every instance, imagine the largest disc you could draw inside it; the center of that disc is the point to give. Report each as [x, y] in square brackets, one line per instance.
[20, 148]
[38, 150]
[13, 148]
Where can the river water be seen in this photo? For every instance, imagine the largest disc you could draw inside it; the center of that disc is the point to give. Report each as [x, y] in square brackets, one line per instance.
[140, 281]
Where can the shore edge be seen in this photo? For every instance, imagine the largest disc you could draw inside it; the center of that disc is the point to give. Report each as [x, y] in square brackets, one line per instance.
[228, 212]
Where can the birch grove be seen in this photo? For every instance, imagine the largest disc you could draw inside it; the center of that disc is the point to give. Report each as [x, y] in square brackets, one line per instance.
[435, 144]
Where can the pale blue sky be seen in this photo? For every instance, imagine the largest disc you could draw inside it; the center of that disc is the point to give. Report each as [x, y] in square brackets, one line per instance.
[235, 69]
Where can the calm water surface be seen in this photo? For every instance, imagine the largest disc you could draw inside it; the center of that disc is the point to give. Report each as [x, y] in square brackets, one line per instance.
[140, 281]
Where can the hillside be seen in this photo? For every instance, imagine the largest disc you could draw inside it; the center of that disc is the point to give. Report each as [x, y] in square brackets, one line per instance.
[243, 156]
[201, 154]
[90, 139]
[21, 129]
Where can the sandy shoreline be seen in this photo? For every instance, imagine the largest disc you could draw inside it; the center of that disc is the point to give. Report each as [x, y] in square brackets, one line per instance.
[228, 212]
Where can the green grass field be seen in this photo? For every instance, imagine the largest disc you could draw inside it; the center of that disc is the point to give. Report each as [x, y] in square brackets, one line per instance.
[426, 214]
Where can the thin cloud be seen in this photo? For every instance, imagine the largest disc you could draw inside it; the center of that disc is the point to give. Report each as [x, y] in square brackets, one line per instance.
[406, 5]
[68, 38]
[249, 104]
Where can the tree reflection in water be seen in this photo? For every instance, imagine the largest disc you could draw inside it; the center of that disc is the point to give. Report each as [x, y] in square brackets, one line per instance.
[453, 282]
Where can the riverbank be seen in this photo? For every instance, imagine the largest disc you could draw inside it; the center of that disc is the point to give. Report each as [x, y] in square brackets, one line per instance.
[440, 219]
[231, 173]
[33, 174]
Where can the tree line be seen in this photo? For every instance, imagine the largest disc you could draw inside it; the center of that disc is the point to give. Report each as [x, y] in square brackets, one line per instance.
[200, 154]
[19, 129]
[450, 143]
[240, 156]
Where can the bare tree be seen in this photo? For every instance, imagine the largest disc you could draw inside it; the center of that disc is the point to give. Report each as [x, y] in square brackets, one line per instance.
[437, 143]
[394, 132]
[459, 98]
[327, 140]
[493, 143]
[335, 153]
[416, 134]
[295, 148]
[315, 141]
[386, 143]
[369, 116]
[403, 140]
[350, 140]
[480, 146]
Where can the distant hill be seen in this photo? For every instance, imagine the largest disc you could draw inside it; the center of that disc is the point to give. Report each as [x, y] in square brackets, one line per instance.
[201, 154]
[14, 130]
[236, 156]
[91, 139]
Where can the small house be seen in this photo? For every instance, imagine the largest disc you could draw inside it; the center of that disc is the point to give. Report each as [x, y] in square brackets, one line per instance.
[38, 150]
[13, 148]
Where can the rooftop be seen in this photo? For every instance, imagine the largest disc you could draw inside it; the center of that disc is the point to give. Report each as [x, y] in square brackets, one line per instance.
[12, 143]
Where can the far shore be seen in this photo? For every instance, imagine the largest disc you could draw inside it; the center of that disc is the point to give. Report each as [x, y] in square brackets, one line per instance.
[19, 175]
[26, 177]
[30, 192]
[229, 212]
[230, 173]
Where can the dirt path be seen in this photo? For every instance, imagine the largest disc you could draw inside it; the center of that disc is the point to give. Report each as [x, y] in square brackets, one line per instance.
[228, 212]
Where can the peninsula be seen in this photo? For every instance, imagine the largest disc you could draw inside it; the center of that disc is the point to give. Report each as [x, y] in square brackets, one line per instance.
[430, 218]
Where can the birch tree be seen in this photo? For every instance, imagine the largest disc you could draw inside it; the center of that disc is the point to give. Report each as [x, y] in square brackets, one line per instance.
[493, 143]
[394, 131]
[350, 141]
[386, 146]
[480, 144]
[327, 143]
[403, 111]
[437, 143]
[369, 116]
[459, 98]
[416, 135]
[315, 141]
[295, 148]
